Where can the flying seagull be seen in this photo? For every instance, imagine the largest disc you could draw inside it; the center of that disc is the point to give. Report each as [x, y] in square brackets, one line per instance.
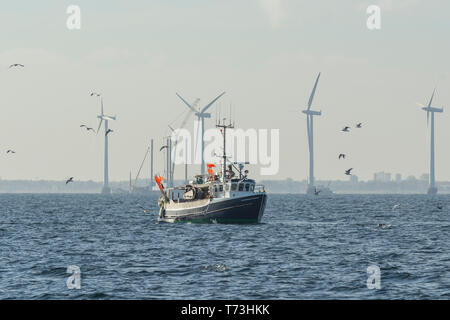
[440, 206]
[69, 180]
[107, 132]
[341, 156]
[89, 128]
[83, 125]
[345, 129]
[358, 125]
[384, 226]
[162, 148]
[347, 172]
[316, 192]
[396, 206]
[10, 151]
[95, 94]
[16, 65]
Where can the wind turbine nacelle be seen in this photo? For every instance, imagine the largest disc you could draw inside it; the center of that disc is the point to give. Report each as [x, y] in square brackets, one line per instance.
[203, 115]
[313, 113]
[106, 117]
[433, 109]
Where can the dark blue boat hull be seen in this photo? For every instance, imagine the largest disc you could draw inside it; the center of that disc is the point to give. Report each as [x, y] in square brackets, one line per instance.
[248, 209]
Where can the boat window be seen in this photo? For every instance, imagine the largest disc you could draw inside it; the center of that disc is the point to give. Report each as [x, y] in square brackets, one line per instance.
[215, 188]
[241, 186]
[247, 187]
[221, 188]
[227, 187]
[252, 187]
[233, 187]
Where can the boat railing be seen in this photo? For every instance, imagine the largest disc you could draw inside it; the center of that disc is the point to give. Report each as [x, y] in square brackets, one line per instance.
[260, 188]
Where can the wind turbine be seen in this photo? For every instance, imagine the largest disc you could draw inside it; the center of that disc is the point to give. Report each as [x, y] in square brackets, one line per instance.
[432, 190]
[201, 115]
[106, 189]
[309, 125]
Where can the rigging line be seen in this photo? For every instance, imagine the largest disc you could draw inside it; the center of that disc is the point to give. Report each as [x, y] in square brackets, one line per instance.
[140, 168]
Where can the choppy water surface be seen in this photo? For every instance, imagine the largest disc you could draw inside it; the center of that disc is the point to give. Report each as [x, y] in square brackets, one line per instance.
[306, 248]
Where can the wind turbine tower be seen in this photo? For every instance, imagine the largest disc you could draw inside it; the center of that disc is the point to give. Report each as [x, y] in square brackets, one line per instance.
[310, 131]
[432, 190]
[201, 115]
[106, 189]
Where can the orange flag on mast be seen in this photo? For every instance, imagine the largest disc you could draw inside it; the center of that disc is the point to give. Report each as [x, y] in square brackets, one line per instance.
[209, 166]
[158, 182]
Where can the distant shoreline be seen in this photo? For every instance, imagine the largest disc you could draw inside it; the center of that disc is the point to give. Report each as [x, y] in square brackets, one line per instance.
[287, 186]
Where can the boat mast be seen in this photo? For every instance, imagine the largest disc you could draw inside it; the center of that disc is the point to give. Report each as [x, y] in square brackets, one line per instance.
[223, 128]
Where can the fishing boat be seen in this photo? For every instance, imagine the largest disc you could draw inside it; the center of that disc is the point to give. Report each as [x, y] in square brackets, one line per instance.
[220, 196]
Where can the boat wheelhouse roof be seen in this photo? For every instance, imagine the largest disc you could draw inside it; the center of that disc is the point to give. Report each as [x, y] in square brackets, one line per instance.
[232, 181]
[243, 180]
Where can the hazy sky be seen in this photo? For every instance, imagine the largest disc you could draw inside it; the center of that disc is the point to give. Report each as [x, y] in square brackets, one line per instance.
[264, 53]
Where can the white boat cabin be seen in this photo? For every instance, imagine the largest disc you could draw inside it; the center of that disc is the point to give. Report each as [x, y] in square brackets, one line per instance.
[232, 188]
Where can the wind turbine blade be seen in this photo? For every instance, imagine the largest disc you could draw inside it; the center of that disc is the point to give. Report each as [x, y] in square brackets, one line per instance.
[186, 103]
[197, 142]
[212, 102]
[186, 118]
[431, 99]
[102, 105]
[420, 104]
[99, 125]
[196, 103]
[313, 92]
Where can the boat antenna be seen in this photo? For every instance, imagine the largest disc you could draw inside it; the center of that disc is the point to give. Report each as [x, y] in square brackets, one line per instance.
[223, 128]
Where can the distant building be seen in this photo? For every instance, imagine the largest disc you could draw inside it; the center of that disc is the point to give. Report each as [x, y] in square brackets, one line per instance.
[354, 179]
[398, 177]
[382, 177]
[425, 177]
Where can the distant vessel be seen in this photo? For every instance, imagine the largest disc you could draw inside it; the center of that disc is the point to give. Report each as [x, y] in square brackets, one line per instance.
[216, 197]
[323, 191]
